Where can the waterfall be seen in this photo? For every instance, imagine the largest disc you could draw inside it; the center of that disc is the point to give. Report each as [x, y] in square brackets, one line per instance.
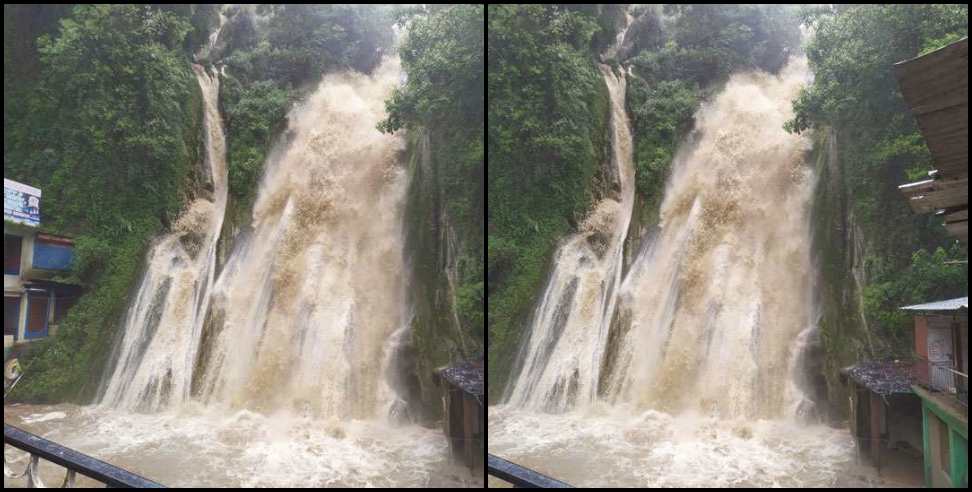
[707, 316]
[715, 306]
[308, 303]
[161, 332]
[702, 379]
[309, 309]
[562, 357]
[205, 51]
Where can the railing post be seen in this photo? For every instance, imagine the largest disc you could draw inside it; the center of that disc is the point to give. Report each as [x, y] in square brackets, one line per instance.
[74, 461]
[519, 476]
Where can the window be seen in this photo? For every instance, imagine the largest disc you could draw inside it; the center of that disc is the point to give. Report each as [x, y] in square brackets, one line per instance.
[52, 252]
[11, 254]
[36, 316]
[11, 316]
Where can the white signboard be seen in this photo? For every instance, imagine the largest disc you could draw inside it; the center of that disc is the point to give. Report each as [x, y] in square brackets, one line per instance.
[21, 203]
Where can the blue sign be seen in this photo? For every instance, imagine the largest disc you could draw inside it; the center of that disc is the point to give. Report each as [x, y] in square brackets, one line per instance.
[21, 203]
[50, 255]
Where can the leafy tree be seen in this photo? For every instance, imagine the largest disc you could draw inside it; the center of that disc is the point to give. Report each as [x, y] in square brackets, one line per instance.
[109, 128]
[691, 52]
[548, 135]
[930, 276]
[855, 93]
[443, 57]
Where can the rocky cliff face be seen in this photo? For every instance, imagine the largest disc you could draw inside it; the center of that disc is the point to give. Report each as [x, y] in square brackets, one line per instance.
[437, 250]
[838, 246]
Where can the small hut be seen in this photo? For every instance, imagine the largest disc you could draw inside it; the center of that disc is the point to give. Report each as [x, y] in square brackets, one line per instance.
[464, 411]
[885, 414]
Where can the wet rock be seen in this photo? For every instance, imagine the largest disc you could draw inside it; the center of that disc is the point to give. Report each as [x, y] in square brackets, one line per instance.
[599, 242]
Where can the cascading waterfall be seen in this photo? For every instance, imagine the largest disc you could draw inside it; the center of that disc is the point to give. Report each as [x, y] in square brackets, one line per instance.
[715, 304]
[155, 358]
[562, 360]
[702, 383]
[280, 371]
[309, 306]
[306, 306]
[723, 290]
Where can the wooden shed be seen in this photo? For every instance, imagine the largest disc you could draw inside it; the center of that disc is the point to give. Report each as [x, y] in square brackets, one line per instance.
[464, 412]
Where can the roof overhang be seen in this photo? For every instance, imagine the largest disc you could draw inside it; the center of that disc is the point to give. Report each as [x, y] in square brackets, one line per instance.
[936, 87]
[949, 305]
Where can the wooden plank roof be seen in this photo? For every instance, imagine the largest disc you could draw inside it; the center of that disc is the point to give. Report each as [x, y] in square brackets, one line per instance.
[936, 87]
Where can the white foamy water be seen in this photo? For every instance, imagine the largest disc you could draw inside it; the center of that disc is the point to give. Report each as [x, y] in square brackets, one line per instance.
[562, 357]
[306, 307]
[208, 446]
[302, 315]
[43, 417]
[712, 309]
[619, 446]
[702, 384]
[156, 357]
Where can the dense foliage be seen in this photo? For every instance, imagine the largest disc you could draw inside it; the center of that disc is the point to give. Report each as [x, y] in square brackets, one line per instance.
[440, 105]
[680, 53]
[547, 136]
[103, 113]
[929, 277]
[271, 54]
[108, 126]
[855, 94]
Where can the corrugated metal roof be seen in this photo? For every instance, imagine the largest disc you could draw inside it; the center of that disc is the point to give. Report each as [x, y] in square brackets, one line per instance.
[883, 377]
[936, 88]
[467, 376]
[949, 305]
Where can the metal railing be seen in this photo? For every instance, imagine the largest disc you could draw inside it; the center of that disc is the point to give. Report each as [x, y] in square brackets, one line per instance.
[519, 476]
[942, 377]
[75, 462]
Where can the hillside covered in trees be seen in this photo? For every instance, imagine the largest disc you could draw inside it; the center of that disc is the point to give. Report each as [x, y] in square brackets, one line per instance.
[549, 146]
[103, 113]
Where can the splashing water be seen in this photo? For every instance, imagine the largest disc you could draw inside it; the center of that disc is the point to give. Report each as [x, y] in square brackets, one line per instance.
[280, 371]
[562, 359]
[621, 446]
[306, 304]
[197, 445]
[699, 382]
[713, 307]
[155, 359]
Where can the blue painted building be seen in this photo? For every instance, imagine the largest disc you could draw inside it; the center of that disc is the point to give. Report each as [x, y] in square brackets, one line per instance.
[33, 303]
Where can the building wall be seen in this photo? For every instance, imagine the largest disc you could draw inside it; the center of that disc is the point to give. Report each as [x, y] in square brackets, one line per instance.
[14, 286]
[903, 415]
[945, 428]
[15, 282]
[921, 336]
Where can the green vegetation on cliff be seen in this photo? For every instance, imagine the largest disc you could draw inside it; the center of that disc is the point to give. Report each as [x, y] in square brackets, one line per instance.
[678, 55]
[856, 96]
[441, 106]
[107, 122]
[548, 122]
